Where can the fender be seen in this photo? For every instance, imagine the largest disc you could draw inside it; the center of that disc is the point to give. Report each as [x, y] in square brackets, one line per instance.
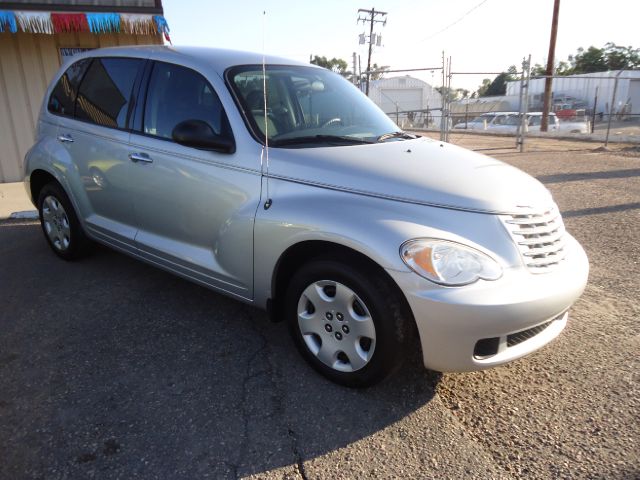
[48, 155]
[372, 226]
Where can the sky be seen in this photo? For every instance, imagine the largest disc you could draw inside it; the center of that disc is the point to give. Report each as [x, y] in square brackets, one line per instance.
[478, 35]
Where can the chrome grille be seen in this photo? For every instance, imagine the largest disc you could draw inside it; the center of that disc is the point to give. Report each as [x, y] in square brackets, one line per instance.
[539, 237]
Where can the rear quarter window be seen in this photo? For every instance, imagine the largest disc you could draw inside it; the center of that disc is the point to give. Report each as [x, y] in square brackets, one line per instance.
[63, 96]
[105, 92]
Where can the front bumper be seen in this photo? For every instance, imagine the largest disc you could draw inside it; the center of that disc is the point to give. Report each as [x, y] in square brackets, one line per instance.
[452, 320]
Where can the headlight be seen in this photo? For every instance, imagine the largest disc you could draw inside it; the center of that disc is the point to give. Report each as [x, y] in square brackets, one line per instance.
[448, 263]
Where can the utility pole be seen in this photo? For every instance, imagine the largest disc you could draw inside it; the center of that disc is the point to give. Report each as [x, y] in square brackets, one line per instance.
[612, 107]
[354, 78]
[593, 114]
[524, 102]
[544, 123]
[370, 17]
[443, 110]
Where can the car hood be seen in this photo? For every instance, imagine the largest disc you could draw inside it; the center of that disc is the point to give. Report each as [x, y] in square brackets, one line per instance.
[420, 171]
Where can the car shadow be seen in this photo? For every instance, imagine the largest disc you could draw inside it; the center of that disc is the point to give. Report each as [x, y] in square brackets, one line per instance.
[581, 176]
[600, 210]
[113, 366]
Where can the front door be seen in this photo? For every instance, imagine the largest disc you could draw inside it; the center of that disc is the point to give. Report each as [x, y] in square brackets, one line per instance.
[194, 208]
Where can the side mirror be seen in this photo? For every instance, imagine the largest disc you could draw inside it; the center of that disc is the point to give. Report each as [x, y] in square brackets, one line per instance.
[199, 134]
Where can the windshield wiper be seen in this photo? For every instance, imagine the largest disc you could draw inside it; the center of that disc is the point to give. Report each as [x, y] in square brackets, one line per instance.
[400, 134]
[310, 139]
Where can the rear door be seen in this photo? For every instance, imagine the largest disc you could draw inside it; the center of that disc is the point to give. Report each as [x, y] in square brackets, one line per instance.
[96, 139]
[194, 208]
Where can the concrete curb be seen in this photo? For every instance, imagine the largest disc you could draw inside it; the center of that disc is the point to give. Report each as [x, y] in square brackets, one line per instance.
[15, 202]
[24, 215]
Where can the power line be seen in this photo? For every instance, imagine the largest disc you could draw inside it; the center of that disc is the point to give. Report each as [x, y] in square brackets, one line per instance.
[454, 23]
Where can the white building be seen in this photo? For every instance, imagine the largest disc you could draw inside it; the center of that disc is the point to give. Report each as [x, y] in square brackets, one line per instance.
[582, 89]
[398, 96]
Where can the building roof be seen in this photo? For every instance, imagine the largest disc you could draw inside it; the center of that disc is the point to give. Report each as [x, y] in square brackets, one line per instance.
[399, 81]
[117, 6]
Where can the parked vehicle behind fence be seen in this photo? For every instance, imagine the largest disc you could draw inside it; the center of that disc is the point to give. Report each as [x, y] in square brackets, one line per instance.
[486, 121]
[308, 202]
[509, 122]
[534, 121]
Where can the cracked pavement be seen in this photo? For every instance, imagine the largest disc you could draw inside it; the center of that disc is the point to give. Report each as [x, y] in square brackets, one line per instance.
[110, 368]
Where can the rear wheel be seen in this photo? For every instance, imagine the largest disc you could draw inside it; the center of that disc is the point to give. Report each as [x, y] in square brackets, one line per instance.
[349, 323]
[60, 223]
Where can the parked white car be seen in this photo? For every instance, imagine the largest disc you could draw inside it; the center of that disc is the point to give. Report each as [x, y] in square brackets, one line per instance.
[486, 121]
[534, 120]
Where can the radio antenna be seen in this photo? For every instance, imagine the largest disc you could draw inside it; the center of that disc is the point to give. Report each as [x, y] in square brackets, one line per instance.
[265, 148]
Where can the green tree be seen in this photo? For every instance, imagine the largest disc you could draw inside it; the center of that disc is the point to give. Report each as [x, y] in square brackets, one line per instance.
[482, 89]
[621, 58]
[337, 65]
[499, 84]
[587, 61]
[593, 59]
[453, 94]
[563, 68]
[380, 69]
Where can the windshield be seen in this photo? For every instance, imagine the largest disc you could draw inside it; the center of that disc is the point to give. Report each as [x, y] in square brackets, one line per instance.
[307, 106]
[513, 120]
[483, 118]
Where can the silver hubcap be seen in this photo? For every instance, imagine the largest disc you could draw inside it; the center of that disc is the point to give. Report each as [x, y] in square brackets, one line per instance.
[56, 223]
[336, 326]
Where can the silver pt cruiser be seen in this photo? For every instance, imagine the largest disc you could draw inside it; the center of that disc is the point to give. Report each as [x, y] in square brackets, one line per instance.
[282, 185]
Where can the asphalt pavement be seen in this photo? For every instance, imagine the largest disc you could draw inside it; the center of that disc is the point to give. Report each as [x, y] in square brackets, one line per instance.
[110, 368]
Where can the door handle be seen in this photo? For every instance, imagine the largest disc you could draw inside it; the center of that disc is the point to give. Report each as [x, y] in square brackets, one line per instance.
[65, 138]
[140, 157]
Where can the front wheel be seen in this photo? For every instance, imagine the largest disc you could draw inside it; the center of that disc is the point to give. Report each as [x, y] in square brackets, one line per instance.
[349, 323]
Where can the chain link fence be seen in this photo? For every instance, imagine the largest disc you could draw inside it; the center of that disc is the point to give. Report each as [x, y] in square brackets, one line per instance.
[602, 107]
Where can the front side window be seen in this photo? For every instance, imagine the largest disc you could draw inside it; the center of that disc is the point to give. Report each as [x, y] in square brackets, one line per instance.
[105, 92]
[63, 96]
[500, 120]
[177, 94]
[513, 120]
[483, 118]
[305, 106]
[535, 120]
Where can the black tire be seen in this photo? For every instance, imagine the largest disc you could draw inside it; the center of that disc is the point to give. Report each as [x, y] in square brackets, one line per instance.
[388, 311]
[73, 243]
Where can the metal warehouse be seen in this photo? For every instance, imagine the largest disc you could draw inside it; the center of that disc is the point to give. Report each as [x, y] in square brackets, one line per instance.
[581, 91]
[397, 96]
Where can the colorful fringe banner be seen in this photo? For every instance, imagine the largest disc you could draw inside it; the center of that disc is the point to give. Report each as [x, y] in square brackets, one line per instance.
[103, 22]
[96, 23]
[35, 22]
[69, 22]
[138, 24]
[8, 22]
[163, 27]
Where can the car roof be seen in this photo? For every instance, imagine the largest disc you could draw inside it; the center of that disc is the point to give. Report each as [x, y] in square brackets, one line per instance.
[500, 113]
[217, 58]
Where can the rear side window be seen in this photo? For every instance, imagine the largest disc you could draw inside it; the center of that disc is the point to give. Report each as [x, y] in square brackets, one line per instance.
[105, 91]
[63, 97]
[177, 94]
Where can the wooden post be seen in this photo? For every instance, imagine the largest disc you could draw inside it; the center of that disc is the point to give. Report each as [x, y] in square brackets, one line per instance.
[549, 73]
